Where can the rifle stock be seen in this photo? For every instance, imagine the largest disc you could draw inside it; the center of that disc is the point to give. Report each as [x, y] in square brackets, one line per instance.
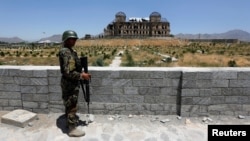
[85, 83]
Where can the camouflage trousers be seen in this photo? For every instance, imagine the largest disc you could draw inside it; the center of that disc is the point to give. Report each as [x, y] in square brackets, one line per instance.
[70, 92]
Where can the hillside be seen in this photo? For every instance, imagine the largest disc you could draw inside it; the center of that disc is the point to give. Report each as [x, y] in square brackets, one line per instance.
[11, 40]
[53, 38]
[232, 34]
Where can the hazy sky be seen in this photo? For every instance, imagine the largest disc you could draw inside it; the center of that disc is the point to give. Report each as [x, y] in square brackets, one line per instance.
[35, 19]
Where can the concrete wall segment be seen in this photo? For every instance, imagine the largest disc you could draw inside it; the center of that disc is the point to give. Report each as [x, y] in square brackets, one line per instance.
[186, 91]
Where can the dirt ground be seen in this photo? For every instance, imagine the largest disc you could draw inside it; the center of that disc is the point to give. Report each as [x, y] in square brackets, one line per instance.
[48, 127]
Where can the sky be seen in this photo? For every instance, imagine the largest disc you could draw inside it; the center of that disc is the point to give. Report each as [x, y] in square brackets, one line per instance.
[36, 19]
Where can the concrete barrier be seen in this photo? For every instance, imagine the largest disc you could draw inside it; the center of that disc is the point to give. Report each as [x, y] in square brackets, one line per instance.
[183, 91]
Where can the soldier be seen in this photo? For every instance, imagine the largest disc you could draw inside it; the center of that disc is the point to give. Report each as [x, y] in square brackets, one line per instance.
[71, 71]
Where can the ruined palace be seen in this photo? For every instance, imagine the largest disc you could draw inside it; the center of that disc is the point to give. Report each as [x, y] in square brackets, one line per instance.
[152, 26]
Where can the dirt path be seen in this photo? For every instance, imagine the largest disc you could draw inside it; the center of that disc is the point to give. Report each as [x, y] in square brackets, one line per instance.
[117, 60]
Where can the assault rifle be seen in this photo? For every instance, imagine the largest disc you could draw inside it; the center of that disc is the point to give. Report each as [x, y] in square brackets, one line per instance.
[85, 83]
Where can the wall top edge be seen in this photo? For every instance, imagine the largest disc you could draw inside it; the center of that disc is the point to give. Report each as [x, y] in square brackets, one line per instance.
[183, 69]
[29, 67]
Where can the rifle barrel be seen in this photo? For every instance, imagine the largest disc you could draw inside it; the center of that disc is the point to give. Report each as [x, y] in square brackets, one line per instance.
[84, 63]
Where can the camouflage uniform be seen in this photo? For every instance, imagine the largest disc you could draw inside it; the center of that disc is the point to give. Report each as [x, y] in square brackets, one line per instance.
[70, 67]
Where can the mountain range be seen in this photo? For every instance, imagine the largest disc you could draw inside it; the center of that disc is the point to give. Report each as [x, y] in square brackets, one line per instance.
[11, 40]
[55, 38]
[232, 34]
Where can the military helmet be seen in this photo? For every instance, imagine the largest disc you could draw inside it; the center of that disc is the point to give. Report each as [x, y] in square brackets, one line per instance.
[69, 34]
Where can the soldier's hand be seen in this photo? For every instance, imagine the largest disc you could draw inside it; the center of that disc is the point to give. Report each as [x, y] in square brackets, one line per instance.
[85, 76]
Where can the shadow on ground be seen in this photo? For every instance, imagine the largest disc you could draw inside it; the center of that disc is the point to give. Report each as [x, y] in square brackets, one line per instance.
[61, 122]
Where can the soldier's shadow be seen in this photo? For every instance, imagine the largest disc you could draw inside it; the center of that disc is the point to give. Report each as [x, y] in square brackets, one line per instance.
[61, 123]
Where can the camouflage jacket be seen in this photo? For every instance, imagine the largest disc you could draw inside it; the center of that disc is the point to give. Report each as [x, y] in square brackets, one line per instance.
[70, 65]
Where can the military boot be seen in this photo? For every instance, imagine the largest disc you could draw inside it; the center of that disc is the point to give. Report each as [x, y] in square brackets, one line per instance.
[74, 132]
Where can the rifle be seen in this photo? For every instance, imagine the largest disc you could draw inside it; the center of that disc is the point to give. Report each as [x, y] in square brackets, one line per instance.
[85, 83]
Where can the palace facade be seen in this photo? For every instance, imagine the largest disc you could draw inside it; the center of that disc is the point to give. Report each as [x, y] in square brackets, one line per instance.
[152, 26]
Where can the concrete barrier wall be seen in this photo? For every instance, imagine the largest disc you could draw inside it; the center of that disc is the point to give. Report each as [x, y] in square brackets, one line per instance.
[132, 90]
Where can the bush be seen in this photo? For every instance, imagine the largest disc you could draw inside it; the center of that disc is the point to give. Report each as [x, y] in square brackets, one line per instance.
[26, 54]
[151, 62]
[113, 52]
[98, 62]
[232, 63]
[130, 60]
[106, 56]
[2, 54]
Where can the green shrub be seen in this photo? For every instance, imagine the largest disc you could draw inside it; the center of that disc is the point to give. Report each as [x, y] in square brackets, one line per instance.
[98, 62]
[232, 63]
[2, 54]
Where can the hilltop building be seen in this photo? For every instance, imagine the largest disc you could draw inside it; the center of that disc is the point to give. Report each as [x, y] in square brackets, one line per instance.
[154, 26]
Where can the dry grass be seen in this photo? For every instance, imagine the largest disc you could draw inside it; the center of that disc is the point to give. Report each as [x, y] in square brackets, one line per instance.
[130, 42]
[203, 60]
[214, 60]
[144, 52]
[37, 61]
